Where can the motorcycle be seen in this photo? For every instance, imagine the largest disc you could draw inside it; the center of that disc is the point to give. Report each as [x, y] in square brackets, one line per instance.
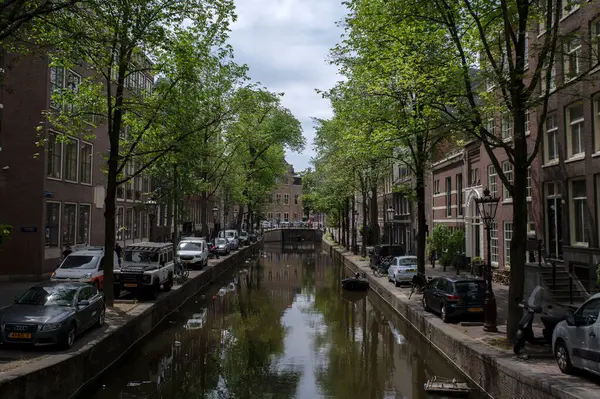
[525, 331]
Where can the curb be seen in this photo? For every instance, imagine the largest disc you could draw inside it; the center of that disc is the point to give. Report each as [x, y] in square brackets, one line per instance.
[496, 373]
[61, 374]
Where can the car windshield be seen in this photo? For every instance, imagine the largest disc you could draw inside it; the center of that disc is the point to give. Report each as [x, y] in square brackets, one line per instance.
[190, 246]
[80, 262]
[220, 241]
[229, 234]
[243, 234]
[48, 296]
[141, 256]
[462, 287]
[407, 261]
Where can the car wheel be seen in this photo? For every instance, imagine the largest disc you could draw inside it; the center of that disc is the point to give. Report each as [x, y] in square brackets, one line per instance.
[101, 316]
[396, 283]
[69, 338]
[444, 313]
[425, 304]
[153, 290]
[206, 262]
[561, 353]
[116, 292]
[169, 283]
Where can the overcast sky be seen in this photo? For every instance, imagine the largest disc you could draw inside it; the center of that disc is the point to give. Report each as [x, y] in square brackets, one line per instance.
[285, 43]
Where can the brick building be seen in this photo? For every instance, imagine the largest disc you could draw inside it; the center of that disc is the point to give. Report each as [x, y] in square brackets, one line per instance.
[56, 197]
[285, 201]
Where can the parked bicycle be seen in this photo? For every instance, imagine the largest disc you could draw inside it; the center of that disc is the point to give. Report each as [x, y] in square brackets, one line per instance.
[181, 272]
[382, 268]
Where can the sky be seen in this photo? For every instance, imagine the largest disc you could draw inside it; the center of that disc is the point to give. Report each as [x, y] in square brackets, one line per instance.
[285, 44]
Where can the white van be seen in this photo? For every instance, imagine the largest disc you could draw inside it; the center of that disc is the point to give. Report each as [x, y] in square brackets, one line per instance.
[84, 265]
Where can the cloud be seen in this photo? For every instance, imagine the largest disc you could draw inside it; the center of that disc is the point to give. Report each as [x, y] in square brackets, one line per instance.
[285, 43]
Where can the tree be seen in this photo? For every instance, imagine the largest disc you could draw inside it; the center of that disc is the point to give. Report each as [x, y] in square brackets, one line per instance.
[118, 41]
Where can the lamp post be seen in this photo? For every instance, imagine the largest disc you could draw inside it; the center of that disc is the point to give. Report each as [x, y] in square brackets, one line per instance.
[354, 235]
[151, 206]
[390, 216]
[235, 215]
[487, 206]
[215, 213]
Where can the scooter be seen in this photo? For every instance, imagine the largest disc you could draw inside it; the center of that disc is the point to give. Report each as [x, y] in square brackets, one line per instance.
[525, 331]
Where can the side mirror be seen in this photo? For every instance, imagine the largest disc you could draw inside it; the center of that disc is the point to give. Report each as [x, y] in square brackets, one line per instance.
[570, 319]
[83, 303]
[16, 299]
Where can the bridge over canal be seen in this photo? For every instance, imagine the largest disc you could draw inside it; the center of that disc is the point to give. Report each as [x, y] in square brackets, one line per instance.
[293, 235]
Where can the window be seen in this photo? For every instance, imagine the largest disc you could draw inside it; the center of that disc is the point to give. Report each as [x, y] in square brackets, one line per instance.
[507, 126]
[286, 199]
[474, 176]
[597, 123]
[507, 169]
[54, 160]
[85, 163]
[527, 123]
[494, 242]
[436, 187]
[52, 224]
[551, 139]
[575, 131]
[72, 84]
[553, 219]
[528, 188]
[490, 125]
[286, 216]
[578, 213]
[296, 199]
[119, 223]
[508, 234]
[568, 7]
[595, 42]
[278, 199]
[295, 216]
[145, 232]
[129, 224]
[459, 193]
[83, 227]
[270, 198]
[448, 196]
[69, 224]
[546, 19]
[572, 58]
[71, 160]
[492, 183]
[136, 223]
[57, 81]
[526, 54]
[543, 78]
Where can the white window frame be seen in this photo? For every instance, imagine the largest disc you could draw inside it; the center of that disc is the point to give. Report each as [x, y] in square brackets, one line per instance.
[556, 198]
[494, 250]
[65, 204]
[528, 188]
[65, 167]
[286, 199]
[551, 133]
[507, 231]
[568, 7]
[62, 153]
[59, 85]
[81, 145]
[89, 223]
[506, 126]
[59, 233]
[552, 79]
[595, 42]
[542, 23]
[579, 124]
[596, 120]
[490, 125]
[492, 180]
[573, 216]
[508, 170]
[527, 123]
[120, 210]
[572, 59]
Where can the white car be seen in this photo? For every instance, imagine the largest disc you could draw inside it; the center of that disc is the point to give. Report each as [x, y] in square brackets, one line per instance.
[232, 238]
[405, 268]
[85, 265]
[576, 341]
[193, 251]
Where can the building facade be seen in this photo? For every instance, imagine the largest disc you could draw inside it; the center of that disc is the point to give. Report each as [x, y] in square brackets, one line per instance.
[285, 201]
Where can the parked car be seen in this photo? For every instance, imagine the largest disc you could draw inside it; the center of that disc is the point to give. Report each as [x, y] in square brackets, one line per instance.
[266, 224]
[576, 340]
[52, 312]
[243, 238]
[405, 268]
[145, 267]
[252, 237]
[232, 237]
[222, 246]
[85, 265]
[193, 252]
[455, 297]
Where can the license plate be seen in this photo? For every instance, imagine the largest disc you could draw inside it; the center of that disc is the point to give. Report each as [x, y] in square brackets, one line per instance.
[187, 261]
[19, 335]
[411, 271]
[476, 310]
[130, 285]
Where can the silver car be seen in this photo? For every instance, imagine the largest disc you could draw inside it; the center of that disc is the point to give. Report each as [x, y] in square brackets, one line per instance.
[405, 268]
[576, 341]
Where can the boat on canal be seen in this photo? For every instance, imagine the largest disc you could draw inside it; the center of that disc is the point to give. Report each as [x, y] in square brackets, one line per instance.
[355, 283]
[447, 386]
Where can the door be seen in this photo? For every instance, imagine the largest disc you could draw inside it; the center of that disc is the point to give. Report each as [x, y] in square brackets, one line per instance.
[84, 312]
[584, 336]
[439, 293]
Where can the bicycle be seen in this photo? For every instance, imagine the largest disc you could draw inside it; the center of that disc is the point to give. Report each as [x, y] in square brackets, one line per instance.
[419, 282]
[181, 272]
[382, 268]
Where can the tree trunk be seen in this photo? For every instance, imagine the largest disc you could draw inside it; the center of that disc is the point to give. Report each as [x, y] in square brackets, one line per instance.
[204, 214]
[353, 227]
[374, 214]
[176, 215]
[421, 222]
[363, 247]
[347, 219]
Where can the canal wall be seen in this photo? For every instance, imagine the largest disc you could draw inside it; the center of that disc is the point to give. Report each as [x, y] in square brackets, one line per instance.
[497, 373]
[61, 374]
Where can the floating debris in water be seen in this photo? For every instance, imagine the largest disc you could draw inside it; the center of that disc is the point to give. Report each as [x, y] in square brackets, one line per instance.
[177, 343]
[222, 291]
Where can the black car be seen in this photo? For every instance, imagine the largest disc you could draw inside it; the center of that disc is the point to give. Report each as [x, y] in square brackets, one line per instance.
[52, 312]
[252, 237]
[455, 297]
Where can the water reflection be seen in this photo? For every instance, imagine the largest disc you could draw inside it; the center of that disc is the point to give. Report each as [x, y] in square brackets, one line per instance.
[280, 328]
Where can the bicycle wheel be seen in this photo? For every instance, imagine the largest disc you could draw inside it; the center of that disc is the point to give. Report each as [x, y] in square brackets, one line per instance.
[378, 273]
[185, 273]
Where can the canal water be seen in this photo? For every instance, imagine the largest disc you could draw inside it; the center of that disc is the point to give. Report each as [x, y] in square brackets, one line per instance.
[279, 327]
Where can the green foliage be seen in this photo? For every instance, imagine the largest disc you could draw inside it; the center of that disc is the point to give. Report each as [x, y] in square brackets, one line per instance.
[5, 232]
[446, 244]
[598, 275]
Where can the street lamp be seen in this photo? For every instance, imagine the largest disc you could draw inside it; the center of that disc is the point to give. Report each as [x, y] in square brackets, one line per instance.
[390, 216]
[151, 206]
[487, 206]
[215, 213]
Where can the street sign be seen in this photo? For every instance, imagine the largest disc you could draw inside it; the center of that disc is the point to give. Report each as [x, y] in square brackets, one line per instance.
[28, 229]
